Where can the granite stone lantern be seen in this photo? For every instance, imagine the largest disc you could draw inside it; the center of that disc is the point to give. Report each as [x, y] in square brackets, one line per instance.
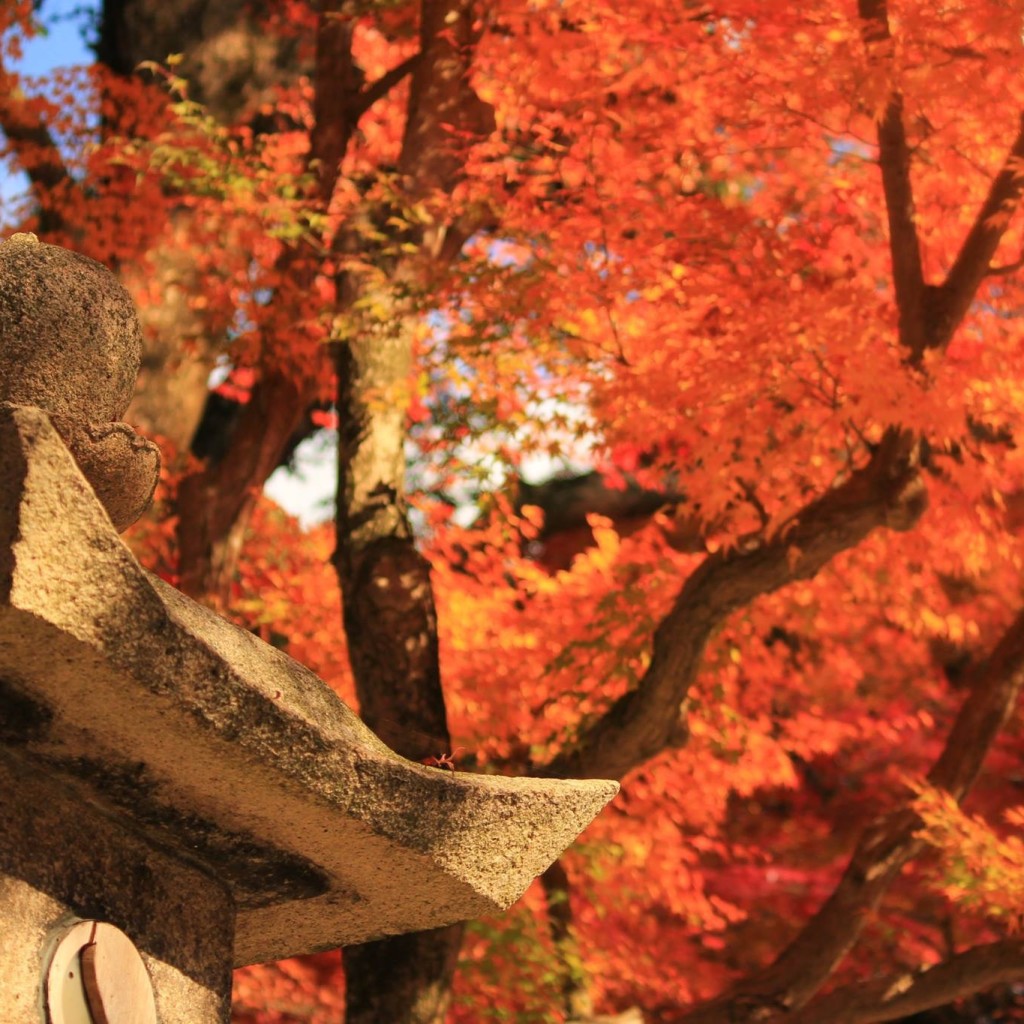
[178, 798]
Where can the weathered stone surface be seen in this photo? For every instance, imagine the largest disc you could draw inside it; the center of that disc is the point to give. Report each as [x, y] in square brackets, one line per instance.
[228, 754]
[70, 344]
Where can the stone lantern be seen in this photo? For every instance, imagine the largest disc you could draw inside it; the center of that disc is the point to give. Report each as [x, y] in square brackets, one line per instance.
[178, 798]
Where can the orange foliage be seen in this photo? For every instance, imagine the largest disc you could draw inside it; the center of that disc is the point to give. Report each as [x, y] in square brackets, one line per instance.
[687, 280]
[980, 870]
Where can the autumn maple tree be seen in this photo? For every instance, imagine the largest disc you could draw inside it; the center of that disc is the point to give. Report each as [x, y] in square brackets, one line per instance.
[758, 267]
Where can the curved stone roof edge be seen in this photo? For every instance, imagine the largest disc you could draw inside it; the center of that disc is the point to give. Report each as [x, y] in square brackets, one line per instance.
[208, 732]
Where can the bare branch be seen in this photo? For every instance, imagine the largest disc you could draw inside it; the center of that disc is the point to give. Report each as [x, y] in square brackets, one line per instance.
[1007, 268]
[894, 161]
[954, 297]
[899, 995]
[214, 502]
[884, 848]
[992, 698]
[378, 90]
[642, 723]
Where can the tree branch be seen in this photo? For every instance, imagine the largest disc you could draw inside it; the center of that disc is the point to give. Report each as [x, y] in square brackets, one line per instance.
[884, 848]
[378, 90]
[929, 316]
[1005, 269]
[445, 114]
[953, 299]
[640, 724]
[214, 502]
[894, 162]
[336, 84]
[898, 995]
[993, 695]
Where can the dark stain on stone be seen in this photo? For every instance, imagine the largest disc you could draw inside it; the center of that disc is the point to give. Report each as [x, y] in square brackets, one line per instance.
[257, 874]
[22, 719]
[91, 865]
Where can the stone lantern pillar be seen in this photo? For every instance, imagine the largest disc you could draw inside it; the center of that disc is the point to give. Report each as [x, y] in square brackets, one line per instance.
[177, 798]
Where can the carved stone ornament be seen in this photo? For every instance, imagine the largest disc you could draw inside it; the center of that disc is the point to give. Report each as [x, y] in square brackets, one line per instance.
[70, 344]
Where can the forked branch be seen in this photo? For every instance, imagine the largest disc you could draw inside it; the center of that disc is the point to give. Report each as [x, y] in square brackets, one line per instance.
[929, 315]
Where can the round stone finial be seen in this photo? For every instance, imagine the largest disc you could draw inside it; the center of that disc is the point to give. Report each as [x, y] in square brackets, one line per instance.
[70, 340]
[70, 344]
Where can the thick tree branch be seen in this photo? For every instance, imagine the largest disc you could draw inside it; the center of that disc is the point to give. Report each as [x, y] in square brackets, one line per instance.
[885, 847]
[642, 723]
[334, 102]
[894, 161]
[898, 995]
[992, 698]
[214, 502]
[445, 117]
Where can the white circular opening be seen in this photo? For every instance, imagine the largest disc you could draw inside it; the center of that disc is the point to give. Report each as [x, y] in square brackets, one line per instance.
[97, 976]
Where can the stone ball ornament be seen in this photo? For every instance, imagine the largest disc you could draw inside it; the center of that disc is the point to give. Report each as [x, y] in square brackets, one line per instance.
[70, 344]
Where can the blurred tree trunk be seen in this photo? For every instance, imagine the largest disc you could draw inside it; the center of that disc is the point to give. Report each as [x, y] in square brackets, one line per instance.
[178, 353]
[231, 64]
